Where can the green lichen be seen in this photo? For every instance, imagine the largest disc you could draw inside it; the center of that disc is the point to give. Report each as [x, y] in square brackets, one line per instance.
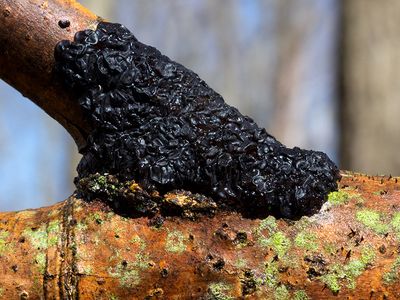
[112, 297]
[97, 218]
[278, 242]
[142, 261]
[37, 237]
[306, 240]
[4, 246]
[240, 263]
[348, 273]
[332, 282]
[367, 255]
[300, 295]
[139, 241]
[40, 260]
[330, 248]
[81, 226]
[1, 292]
[372, 220]
[393, 274]
[268, 223]
[129, 278]
[175, 242]
[128, 275]
[338, 198]
[271, 274]
[220, 291]
[53, 229]
[87, 270]
[395, 223]
[281, 293]
[303, 223]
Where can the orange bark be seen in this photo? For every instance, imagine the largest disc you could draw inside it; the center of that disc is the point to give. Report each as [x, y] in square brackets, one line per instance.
[79, 250]
[350, 250]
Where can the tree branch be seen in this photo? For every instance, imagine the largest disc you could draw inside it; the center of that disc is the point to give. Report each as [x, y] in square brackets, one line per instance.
[29, 32]
[80, 250]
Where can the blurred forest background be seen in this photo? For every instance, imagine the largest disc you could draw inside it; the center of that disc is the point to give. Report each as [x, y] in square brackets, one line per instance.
[319, 74]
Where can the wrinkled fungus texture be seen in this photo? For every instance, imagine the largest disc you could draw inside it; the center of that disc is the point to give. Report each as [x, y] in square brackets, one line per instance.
[158, 123]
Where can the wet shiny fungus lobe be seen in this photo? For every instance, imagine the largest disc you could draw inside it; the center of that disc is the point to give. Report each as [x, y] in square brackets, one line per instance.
[158, 123]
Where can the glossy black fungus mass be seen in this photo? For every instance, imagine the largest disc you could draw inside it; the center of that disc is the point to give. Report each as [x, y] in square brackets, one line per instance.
[158, 123]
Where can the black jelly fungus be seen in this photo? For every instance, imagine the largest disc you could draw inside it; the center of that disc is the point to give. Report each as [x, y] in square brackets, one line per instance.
[64, 23]
[158, 123]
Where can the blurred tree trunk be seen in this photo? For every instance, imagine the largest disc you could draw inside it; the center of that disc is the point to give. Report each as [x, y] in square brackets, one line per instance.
[371, 88]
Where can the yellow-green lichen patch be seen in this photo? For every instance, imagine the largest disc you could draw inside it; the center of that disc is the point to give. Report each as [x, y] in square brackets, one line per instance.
[175, 242]
[142, 261]
[40, 261]
[87, 270]
[306, 240]
[331, 280]
[220, 291]
[330, 248]
[347, 274]
[81, 226]
[278, 242]
[113, 297]
[137, 240]
[37, 237]
[394, 272]
[240, 263]
[300, 295]
[96, 218]
[126, 273]
[395, 223]
[5, 246]
[338, 198]
[269, 223]
[372, 220]
[281, 293]
[271, 274]
[53, 231]
[1, 292]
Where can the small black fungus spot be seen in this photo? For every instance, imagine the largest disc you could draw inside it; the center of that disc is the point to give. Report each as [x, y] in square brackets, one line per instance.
[249, 283]
[124, 263]
[14, 268]
[156, 222]
[219, 264]
[21, 239]
[241, 237]
[164, 273]
[158, 123]
[64, 23]
[6, 12]
[382, 249]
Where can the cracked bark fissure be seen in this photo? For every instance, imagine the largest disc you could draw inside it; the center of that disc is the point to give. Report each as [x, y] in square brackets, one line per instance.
[79, 250]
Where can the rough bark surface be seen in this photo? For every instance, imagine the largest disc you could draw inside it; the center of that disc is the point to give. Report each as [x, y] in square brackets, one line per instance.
[80, 250]
[76, 250]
